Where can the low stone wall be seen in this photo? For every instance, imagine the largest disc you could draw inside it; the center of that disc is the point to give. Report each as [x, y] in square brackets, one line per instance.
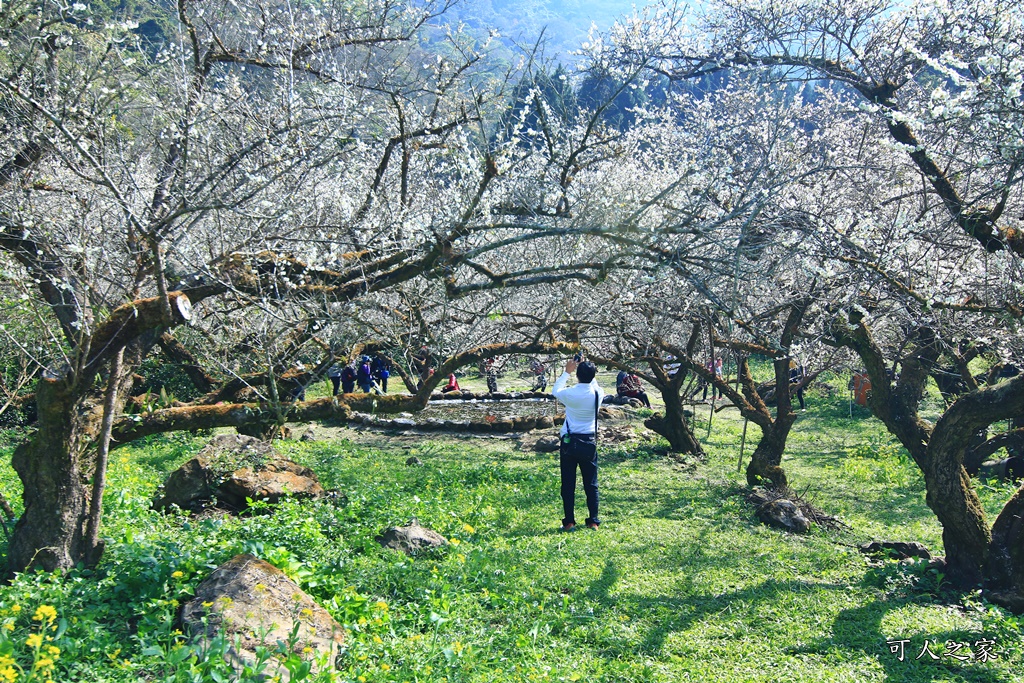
[490, 396]
[496, 426]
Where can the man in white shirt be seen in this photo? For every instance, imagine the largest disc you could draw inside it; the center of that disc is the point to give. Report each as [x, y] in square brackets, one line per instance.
[578, 445]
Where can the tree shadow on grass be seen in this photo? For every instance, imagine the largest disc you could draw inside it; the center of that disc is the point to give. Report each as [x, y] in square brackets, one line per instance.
[859, 628]
[855, 630]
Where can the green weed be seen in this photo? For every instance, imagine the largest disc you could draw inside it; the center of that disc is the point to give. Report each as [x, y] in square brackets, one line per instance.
[681, 581]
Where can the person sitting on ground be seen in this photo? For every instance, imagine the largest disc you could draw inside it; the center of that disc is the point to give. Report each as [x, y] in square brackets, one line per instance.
[619, 379]
[453, 384]
[632, 387]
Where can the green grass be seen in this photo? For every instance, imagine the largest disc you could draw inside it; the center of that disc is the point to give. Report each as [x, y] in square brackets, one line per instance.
[680, 583]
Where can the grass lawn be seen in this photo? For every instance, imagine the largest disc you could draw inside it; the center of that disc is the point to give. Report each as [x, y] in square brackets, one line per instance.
[680, 583]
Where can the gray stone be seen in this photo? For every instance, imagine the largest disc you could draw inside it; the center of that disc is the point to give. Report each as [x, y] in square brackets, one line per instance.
[547, 444]
[502, 425]
[308, 435]
[411, 539]
[898, 549]
[784, 514]
[413, 460]
[524, 424]
[253, 604]
[231, 469]
[277, 479]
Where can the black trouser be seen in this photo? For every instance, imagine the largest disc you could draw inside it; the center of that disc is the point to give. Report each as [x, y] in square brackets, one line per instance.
[336, 384]
[580, 451]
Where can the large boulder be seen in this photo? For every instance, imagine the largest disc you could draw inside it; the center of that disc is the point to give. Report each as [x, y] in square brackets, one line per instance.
[411, 539]
[275, 480]
[231, 469]
[253, 604]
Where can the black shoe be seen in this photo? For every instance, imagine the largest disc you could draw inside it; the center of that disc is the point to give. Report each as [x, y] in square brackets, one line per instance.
[569, 527]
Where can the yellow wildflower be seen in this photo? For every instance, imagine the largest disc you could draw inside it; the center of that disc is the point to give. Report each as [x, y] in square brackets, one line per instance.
[455, 541]
[45, 613]
[468, 529]
[378, 640]
[8, 674]
[176, 575]
[53, 650]
[8, 626]
[15, 609]
[381, 605]
[34, 640]
[385, 667]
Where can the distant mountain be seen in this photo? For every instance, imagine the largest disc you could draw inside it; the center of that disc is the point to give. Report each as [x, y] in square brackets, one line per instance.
[565, 22]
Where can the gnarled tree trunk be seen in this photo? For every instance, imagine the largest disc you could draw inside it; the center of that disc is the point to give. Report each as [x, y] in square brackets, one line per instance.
[1004, 571]
[765, 466]
[54, 467]
[673, 425]
[975, 556]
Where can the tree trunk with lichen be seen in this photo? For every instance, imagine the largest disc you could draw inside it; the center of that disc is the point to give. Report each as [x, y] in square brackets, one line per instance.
[56, 463]
[975, 555]
[765, 466]
[1004, 570]
[52, 465]
[673, 426]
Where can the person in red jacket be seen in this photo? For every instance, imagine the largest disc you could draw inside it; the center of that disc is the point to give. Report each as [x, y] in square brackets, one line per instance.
[631, 387]
[453, 384]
